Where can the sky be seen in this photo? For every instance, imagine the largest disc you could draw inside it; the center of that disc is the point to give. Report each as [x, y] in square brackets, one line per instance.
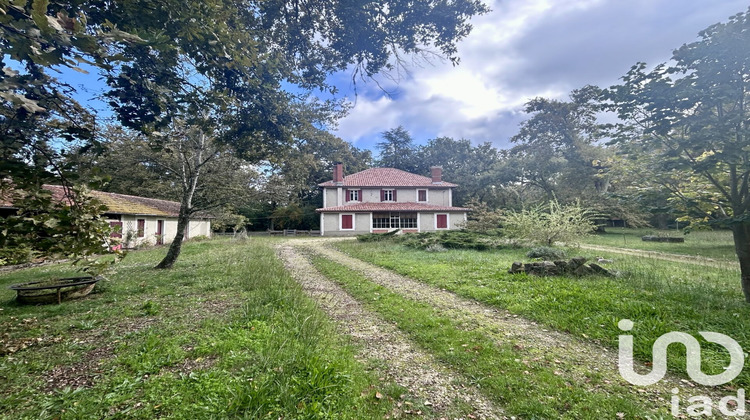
[520, 50]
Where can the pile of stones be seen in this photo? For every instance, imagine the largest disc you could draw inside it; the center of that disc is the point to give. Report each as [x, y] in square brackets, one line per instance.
[575, 266]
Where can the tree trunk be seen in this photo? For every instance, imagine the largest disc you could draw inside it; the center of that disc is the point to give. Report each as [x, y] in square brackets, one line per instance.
[176, 246]
[191, 169]
[741, 234]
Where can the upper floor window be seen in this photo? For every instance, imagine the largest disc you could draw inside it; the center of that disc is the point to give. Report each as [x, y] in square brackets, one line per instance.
[353, 195]
[387, 195]
[421, 195]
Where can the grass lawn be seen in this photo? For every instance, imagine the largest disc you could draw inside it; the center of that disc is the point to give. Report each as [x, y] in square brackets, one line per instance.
[710, 244]
[658, 296]
[530, 390]
[225, 334]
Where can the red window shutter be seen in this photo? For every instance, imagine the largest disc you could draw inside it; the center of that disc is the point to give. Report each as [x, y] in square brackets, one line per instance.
[346, 195]
[442, 221]
[117, 232]
[346, 221]
[141, 228]
[422, 195]
[382, 195]
[394, 195]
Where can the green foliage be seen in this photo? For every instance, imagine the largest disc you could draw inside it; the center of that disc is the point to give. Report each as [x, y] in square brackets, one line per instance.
[481, 218]
[397, 150]
[689, 119]
[556, 222]
[70, 226]
[452, 239]
[546, 253]
[20, 254]
[377, 237]
[287, 217]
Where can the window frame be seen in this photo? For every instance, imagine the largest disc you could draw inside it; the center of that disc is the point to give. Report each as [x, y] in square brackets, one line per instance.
[350, 193]
[341, 221]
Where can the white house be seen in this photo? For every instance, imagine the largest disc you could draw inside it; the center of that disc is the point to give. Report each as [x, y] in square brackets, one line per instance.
[142, 220]
[379, 200]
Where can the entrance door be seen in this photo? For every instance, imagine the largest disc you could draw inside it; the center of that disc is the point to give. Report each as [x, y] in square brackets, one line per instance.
[159, 232]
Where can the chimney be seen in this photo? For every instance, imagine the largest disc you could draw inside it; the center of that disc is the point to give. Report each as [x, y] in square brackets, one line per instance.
[338, 173]
[437, 174]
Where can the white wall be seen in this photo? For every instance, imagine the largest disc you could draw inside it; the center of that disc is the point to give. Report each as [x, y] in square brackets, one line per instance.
[435, 196]
[130, 223]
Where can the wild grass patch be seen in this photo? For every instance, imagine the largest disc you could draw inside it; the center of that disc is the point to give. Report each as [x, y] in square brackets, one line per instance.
[659, 296]
[225, 334]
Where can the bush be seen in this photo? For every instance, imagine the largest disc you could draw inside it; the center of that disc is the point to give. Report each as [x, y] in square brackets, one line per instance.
[452, 240]
[377, 237]
[16, 255]
[546, 253]
[200, 238]
[556, 222]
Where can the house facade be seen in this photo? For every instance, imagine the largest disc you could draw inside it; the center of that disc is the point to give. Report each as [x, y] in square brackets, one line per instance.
[140, 220]
[380, 200]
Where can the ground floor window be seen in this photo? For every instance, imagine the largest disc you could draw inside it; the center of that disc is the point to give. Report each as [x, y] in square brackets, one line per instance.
[394, 220]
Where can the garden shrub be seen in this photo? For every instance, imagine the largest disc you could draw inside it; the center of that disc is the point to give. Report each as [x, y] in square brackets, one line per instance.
[438, 241]
[546, 253]
[377, 237]
[16, 255]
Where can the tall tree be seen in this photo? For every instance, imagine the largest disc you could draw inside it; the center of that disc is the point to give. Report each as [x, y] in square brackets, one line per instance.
[694, 115]
[397, 150]
[467, 165]
[219, 65]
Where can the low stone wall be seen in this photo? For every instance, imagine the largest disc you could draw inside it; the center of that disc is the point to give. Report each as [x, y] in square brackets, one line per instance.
[575, 266]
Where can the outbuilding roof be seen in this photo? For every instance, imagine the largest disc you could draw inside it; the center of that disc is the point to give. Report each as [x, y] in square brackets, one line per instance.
[117, 203]
[376, 207]
[387, 177]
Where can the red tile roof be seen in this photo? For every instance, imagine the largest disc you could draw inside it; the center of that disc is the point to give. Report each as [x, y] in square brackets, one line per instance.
[119, 203]
[387, 177]
[362, 207]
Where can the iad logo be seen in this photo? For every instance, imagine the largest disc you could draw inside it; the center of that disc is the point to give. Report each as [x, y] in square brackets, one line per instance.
[693, 368]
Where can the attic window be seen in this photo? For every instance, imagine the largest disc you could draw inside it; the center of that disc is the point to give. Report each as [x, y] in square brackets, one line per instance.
[387, 195]
[421, 195]
[352, 195]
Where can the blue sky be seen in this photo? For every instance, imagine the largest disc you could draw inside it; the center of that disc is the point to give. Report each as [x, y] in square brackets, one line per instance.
[521, 50]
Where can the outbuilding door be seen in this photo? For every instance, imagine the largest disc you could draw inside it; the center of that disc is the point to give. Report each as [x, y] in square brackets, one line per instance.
[159, 232]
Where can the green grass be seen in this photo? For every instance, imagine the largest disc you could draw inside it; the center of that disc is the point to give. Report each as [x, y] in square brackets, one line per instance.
[658, 296]
[716, 244]
[225, 334]
[534, 391]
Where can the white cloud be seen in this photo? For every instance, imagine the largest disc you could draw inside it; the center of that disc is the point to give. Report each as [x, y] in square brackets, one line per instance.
[523, 49]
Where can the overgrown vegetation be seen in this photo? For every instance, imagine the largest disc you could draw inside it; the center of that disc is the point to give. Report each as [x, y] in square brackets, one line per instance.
[550, 223]
[225, 334]
[450, 239]
[546, 253]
